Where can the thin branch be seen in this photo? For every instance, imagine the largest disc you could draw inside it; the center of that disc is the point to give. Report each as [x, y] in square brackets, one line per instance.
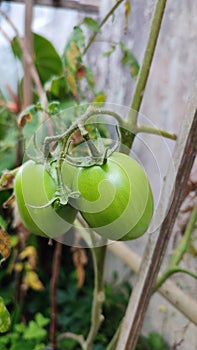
[183, 245]
[54, 281]
[27, 81]
[171, 271]
[68, 335]
[91, 111]
[179, 252]
[27, 56]
[114, 340]
[110, 13]
[98, 254]
[6, 36]
[150, 130]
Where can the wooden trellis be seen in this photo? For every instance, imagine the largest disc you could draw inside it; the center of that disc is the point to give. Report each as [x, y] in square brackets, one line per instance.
[170, 202]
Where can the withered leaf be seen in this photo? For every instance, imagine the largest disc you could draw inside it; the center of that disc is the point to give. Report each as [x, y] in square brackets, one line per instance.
[5, 247]
[80, 260]
[32, 280]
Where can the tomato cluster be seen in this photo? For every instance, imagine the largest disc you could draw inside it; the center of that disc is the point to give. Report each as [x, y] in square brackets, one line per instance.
[115, 198]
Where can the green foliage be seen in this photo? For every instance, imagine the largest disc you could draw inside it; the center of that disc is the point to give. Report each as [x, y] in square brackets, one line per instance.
[152, 342]
[3, 223]
[5, 320]
[91, 24]
[8, 149]
[110, 51]
[73, 307]
[46, 59]
[32, 336]
[129, 59]
[8, 135]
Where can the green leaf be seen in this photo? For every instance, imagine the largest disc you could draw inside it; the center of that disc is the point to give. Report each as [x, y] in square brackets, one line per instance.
[8, 149]
[77, 36]
[99, 99]
[7, 116]
[41, 320]
[5, 320]
[33, 331]
[40, 347]
[130, 59]
[46, 59]
[20, 327]
[53, 107]
[3, 223]
[91, 24]
[109, 52]
[157, 342]
[58, 88]
[72, 52]
[16, 49]
[90, 77]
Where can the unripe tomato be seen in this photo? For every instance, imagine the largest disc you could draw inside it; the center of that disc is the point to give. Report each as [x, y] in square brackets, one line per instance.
[34, 187]
[116, 199]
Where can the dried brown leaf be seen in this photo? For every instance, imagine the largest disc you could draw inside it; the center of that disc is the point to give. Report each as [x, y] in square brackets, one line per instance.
[5, 247]
[80, 259]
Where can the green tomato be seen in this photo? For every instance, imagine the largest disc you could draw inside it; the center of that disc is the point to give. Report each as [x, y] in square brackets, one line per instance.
[34, 187]
[116, 198]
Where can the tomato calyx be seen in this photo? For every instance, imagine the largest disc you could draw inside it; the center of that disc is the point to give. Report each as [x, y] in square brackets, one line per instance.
[98, 153]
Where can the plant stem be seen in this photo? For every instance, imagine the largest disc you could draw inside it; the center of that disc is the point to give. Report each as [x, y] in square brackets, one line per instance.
[148, 57]
[150, 130]
[28, 42]
[110, 13]
[27, 56]
[183, 245]
[54, 280]
[144, 73]
[77, 125]
[171, 271]
[98, 254]
[179, 253]
[69, 335]
[113, 342]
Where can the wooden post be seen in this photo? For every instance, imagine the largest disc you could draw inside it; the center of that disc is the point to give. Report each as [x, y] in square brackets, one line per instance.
[170, 202]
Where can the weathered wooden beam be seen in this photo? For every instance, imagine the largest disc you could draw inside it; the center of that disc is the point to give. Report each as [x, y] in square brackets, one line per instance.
[168, 208]
[169, 290]
[79, 5]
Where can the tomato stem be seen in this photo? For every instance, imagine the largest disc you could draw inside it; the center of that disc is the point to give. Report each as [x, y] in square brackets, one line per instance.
[179, 252]
[145, 69]
[110, 13]
[99, 254]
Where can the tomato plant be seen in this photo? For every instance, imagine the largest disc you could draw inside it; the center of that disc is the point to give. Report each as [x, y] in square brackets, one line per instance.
[34, 187]
[115, 198]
